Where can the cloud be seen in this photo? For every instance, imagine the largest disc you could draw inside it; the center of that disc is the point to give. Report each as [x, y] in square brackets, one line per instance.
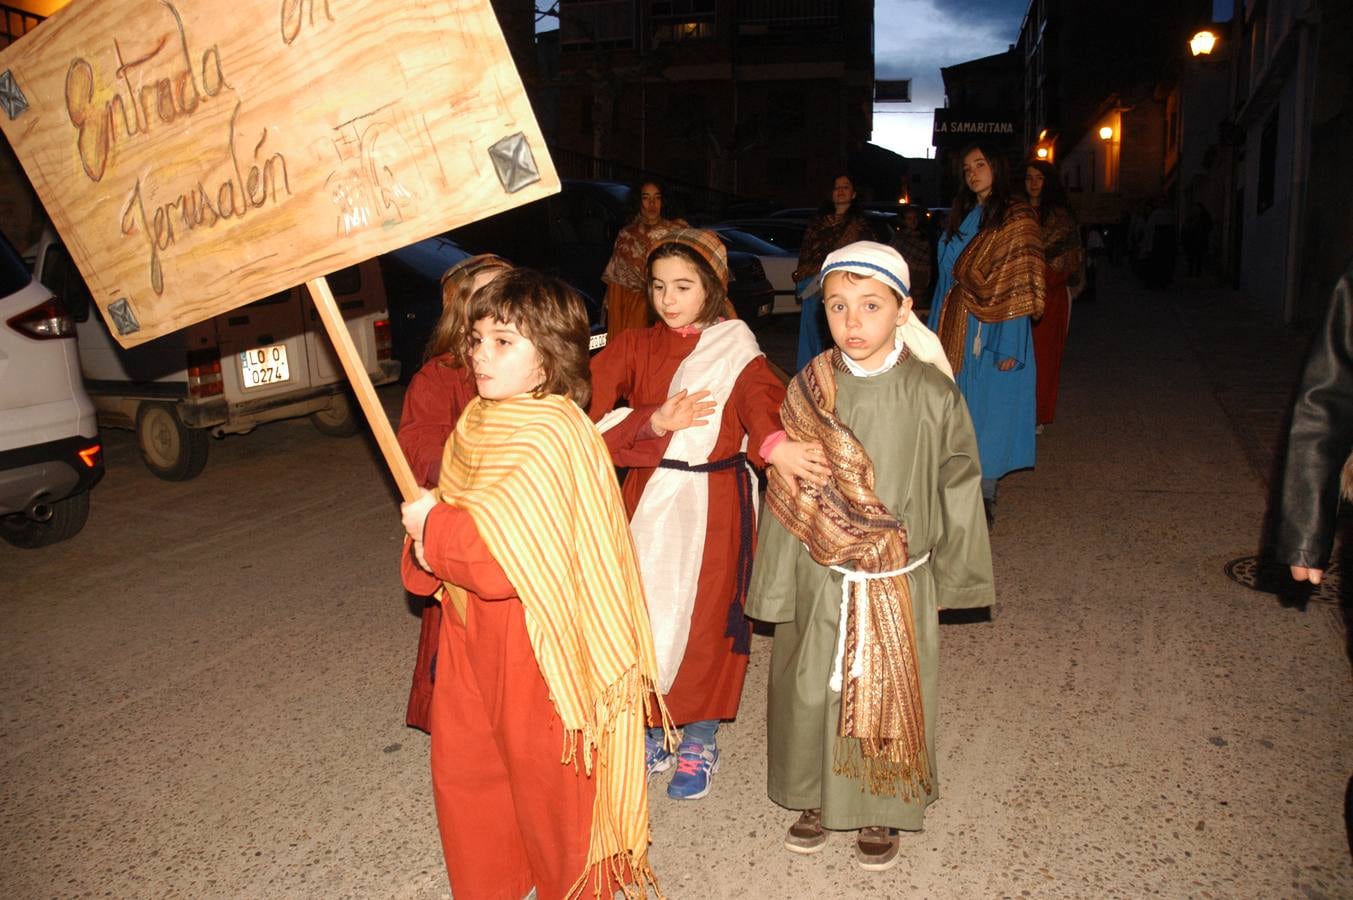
[914, 38]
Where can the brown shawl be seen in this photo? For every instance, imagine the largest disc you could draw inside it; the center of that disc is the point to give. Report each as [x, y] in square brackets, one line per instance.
[628, 266]
[997, 277]
[1062, 248]
[882, 726]
[826, 233]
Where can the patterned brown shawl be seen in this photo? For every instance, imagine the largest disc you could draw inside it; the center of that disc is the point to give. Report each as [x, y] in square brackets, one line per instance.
[1062, 248]
[997, 277]
[882, 726]
[628, 266]
[826, 233]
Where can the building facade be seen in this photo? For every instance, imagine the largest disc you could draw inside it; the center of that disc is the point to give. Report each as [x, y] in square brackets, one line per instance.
[758, 98]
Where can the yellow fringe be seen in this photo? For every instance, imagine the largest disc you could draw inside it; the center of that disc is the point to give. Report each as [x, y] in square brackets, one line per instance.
[882, 774]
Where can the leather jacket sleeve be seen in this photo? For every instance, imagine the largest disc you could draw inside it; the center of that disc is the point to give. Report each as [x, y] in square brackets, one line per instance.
[1320, 439]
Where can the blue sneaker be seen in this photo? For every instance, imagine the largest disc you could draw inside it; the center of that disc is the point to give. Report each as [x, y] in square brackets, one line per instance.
[696, 765]
[657, 758]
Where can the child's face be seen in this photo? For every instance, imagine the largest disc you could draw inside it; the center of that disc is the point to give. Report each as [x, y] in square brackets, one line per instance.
[863, 315]
[677, 291]
[505, 362]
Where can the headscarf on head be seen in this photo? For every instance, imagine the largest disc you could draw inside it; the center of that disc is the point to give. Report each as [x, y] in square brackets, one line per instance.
[885, 264]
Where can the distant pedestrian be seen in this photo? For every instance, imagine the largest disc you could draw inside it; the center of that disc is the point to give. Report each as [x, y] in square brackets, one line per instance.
[1063, 277]
[854, 568]
[625, 274]
[1319, 465]
[989, 287]
[436, 396]
[546, 661]
[912, 240]
[837, 223]
[689, 488]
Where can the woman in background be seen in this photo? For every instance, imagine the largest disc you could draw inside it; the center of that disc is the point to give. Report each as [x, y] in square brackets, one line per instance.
[1063, 276]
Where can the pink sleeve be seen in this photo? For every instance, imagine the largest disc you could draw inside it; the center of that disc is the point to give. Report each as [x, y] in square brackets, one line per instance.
[773, 440]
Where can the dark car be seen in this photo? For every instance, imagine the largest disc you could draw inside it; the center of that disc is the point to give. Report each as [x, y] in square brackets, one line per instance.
[413, 293]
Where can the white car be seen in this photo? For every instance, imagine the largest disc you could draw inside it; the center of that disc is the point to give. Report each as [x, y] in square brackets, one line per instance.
[50, 455]
[778, 263]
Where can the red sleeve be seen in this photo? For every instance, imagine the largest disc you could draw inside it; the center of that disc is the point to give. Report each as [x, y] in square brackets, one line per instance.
[633, 444]
[456, 553]
[436, 397]
[756, 399]
[612, 375]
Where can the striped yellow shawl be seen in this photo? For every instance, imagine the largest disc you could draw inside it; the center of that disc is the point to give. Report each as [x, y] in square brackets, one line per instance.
[536, 478]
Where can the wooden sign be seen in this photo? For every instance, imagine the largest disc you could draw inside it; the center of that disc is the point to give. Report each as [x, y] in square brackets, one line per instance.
[196, 155]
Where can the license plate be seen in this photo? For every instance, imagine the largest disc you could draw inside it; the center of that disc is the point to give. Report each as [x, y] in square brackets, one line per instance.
[597, 341]
[263, 366]
[763, 309]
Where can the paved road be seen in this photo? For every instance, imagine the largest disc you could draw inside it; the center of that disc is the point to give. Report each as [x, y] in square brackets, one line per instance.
[204, 691]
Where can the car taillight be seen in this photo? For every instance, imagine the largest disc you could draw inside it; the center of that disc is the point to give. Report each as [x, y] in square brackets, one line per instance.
[46, 321]
[383, 345]
[204, 373]
[90, 455]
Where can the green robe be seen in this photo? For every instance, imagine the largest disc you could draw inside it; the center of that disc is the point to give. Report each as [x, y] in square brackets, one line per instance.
[913, 423]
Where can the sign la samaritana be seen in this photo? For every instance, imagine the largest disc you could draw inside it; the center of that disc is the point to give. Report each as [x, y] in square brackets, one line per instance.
[197, 155]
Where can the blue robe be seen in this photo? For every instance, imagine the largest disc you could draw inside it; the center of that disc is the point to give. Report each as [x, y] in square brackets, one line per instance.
[1001, 403]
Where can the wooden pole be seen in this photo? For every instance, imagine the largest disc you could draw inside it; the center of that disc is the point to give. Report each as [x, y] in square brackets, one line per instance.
[351, 360]
[337, 328]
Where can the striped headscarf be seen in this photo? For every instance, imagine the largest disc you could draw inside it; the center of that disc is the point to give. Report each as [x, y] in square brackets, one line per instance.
[536, 478]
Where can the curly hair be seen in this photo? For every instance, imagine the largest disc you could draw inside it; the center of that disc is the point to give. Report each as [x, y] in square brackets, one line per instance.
[452, 330]
[716, 295]
[551, 315]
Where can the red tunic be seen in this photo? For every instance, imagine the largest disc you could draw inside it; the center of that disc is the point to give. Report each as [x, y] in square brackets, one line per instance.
[638, 367]
[436, 397]
[510, 814]
[1049, 335]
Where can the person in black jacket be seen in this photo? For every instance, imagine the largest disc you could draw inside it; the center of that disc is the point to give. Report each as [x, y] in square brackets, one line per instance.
[1319, 444]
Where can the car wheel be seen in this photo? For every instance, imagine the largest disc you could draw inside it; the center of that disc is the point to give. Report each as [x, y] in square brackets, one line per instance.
[338, 419]
[170, 449]
[68, 517]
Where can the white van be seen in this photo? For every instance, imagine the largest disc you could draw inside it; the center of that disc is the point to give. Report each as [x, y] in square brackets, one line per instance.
[265, 361]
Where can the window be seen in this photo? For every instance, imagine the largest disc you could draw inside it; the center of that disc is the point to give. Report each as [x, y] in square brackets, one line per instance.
[682, 20]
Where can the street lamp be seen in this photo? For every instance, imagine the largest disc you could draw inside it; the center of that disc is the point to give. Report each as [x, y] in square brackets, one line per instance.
[1201, 44]
[1106, 132]
[1041, 152]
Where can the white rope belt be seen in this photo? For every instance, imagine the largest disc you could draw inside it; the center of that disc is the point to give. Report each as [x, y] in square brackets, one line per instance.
[851, 579]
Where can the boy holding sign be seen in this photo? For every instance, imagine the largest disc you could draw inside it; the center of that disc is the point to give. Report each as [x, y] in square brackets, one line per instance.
[537, 747]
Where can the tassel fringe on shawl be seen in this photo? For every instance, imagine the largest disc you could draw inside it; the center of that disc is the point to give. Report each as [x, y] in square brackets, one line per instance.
[881, 735]
[997, 277]
[536, 478]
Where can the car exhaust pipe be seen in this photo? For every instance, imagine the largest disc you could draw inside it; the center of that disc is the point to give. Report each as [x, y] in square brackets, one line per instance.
[39, 510]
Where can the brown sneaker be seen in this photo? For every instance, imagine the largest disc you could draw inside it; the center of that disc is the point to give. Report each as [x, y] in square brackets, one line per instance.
[876, 848]
[806, 835]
